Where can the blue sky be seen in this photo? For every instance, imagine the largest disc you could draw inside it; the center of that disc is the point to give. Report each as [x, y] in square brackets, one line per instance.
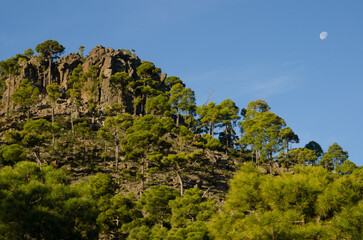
[239, 49]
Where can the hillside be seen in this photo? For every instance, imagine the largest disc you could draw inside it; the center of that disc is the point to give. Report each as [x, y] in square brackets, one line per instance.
[106, 146]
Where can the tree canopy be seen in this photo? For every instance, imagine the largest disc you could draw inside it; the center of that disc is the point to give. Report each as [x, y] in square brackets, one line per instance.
[114, 149]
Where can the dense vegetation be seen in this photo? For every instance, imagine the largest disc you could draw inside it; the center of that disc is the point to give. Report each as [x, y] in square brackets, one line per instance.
[153, 165]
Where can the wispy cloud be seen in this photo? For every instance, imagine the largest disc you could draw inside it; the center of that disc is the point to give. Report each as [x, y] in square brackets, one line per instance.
[269, 87]
[254, 81]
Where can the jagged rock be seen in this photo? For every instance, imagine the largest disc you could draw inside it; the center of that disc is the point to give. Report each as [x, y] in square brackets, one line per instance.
[108, 60]
[163, 77]
[32, 70]
[65, 67]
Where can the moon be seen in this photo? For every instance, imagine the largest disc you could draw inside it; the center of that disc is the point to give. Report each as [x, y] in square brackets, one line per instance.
[323, 35]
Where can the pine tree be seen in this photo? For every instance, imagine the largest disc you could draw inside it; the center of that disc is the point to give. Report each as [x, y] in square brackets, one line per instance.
[50, 49]
[25, 95]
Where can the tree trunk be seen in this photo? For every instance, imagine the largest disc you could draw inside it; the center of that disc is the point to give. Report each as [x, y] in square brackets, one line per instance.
[271, 164]
[8, 97]
[116, 155]
[52, 113]
[53, 137]
[180, 182]
[84, 150]
[227, 136]
[37, 158]
[177, 117]
[11, 101]
[135, 108]
[104, 159]
[142, 174]
[118, 98]
[50, 71]
[142, 107]
[72, 119]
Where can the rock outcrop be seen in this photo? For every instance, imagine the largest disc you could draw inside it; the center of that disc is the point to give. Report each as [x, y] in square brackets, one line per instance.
[108, 61]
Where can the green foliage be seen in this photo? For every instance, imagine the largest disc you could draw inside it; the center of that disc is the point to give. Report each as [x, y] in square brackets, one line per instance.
[76, 84]
[257, 106]
[10, 67]
[114, 109]
[346, 168]
[140, 233]
[312, 145]
[121, 84]
[50, 48]
[301, 156]
[117, 214]
[117, 126]
[2, 87]
[229, 117]
[346, 191]
[170, 82]
[28, 53]
[334, 157]
[53, 95]
[347, 224]
[53, 92]
[81, 50]
[148, 70]
[244, 193]
[225, 114]
[25, 95]
[178, 163]
[306, 205]
[145, 140]
[209, 114]
[193, 231]
[229, 112]
[148, 85]
[191, 207]
[76, 78]
[209, 142]
[102, 184]
[262, 132]
[157, 126]
[12, 154]
[41, 202]
[157, 105]
[182, 99]
[288, 137]
[93, 80]
[154, 202]
[114, 130]
[265, 132]
[34, 206]
[82, 130]
[35, 134]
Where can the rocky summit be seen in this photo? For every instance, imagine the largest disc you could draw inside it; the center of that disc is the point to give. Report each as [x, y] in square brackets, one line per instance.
[108, 61]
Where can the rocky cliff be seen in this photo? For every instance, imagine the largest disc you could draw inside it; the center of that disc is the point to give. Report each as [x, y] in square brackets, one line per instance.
[108, 61]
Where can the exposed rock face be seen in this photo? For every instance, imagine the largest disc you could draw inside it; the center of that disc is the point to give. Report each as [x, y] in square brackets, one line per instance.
[65, 66]
[108, 60]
